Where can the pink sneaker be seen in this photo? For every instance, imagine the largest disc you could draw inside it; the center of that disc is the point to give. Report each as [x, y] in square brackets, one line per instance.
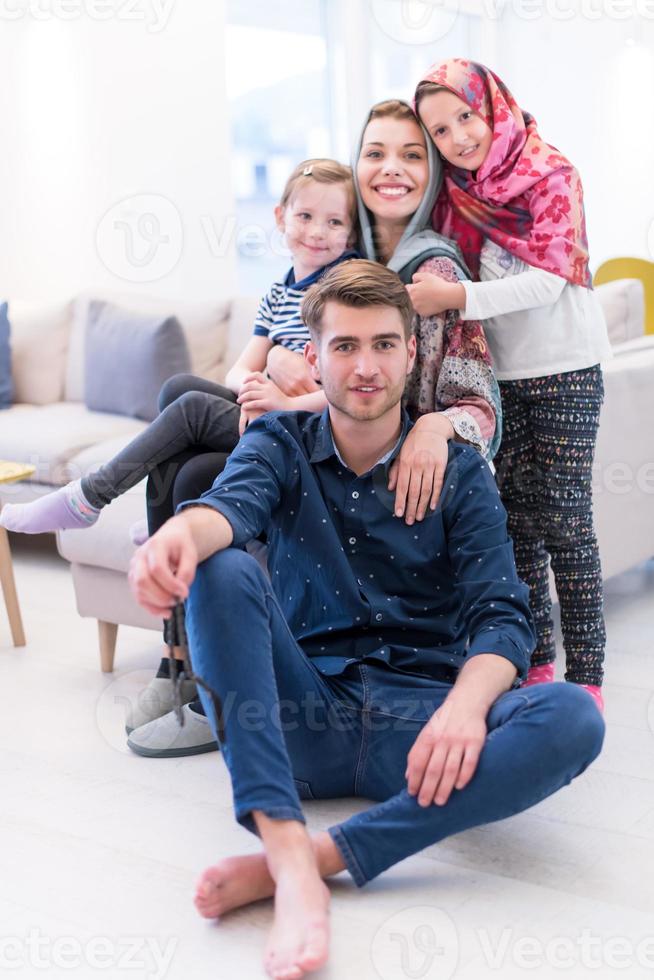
[542, 674]
[596, 694]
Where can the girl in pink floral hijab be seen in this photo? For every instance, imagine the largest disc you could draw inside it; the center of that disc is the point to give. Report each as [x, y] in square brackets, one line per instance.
[524, 195]
[514, 205]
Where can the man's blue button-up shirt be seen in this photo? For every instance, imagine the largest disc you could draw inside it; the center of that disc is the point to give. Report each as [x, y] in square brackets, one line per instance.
[356, 582]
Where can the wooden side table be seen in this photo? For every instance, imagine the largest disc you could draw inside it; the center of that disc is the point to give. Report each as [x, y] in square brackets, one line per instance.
[10, 472]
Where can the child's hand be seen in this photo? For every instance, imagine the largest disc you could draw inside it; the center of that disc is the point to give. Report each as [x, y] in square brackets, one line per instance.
[290, 371]
[245, 419]
[258, 394]
[430, 294]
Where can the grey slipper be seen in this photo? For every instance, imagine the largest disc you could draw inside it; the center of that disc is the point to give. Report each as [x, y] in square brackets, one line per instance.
[154, 701]
[164, 738]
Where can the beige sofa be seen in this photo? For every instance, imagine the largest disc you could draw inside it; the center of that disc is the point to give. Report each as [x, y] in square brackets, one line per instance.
[79, 440]
[49, 426]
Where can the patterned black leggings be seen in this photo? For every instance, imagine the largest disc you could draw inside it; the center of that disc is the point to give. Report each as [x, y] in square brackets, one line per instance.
[544, 475]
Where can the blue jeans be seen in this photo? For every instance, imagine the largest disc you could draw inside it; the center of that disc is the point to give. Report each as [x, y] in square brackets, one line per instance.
[288, 732]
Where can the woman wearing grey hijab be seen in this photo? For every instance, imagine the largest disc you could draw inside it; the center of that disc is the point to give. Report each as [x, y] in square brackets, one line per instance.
[398, 176]
[452, 391]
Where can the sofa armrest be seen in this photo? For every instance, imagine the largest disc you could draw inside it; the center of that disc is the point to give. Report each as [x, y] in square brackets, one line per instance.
[623, 304]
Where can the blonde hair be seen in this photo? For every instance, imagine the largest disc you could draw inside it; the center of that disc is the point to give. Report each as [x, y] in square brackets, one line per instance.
[357, 283]
[323, 171]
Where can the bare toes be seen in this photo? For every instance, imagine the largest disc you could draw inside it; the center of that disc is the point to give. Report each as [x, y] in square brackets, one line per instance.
[208, 911]
[207, 897]
[286, 972]
[313, 955]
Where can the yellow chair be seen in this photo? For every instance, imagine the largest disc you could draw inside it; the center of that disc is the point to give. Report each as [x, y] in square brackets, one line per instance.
[630, 268]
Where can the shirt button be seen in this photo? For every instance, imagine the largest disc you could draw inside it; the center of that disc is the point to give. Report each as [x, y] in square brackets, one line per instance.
[352, 540]
[379, 617]
[355, 494]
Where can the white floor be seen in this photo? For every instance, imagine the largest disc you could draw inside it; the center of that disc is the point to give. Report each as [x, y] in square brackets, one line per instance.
[100, 849]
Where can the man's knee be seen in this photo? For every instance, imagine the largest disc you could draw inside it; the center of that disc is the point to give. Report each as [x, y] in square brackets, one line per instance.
[575, 723]
[225, 575]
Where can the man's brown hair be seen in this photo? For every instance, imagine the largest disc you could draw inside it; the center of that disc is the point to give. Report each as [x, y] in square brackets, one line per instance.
[356, 283]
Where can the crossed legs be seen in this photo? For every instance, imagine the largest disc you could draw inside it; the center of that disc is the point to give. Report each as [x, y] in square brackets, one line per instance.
[286, 730]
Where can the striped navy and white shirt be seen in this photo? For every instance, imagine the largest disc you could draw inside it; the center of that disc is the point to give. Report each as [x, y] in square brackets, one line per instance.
[278, 316]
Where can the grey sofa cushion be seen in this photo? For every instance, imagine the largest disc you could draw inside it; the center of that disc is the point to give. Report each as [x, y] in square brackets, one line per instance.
[6, 387]
[128, 356]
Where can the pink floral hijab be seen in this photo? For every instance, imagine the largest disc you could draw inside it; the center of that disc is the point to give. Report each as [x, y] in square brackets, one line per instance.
[526, 196]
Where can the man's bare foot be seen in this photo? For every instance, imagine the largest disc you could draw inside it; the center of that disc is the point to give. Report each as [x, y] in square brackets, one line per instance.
[299, 939]
[237, 881]
[233, 882]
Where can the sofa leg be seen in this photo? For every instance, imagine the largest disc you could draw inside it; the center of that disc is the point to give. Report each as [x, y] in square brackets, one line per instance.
[107, 633]
[9, 591]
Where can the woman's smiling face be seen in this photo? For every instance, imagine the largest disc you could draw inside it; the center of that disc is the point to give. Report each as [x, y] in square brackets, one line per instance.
[392, 169]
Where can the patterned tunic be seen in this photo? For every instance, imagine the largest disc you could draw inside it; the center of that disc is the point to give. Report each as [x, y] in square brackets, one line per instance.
[453, 373]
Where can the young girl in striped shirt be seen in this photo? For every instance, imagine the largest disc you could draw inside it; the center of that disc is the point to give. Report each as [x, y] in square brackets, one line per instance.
[317, 215]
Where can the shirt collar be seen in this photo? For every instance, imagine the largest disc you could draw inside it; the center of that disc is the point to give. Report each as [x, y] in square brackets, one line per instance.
[319, 273]
[324, 446]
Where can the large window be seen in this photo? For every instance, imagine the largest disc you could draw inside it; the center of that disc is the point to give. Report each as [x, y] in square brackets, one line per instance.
[407, 36]
[300, 76]
[278, 90]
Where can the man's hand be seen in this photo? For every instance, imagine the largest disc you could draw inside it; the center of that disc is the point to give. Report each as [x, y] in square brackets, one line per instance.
[290, 372]
[429, 294]
[161, 570]
[445, 754]
[417, 473]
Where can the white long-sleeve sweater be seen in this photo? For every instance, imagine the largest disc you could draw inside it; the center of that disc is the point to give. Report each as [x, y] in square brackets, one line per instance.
[536, 323]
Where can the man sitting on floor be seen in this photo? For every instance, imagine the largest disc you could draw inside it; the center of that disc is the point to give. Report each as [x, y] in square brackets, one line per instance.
[381, 659]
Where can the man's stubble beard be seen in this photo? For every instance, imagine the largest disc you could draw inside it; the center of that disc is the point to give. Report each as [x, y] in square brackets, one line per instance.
[369, 413]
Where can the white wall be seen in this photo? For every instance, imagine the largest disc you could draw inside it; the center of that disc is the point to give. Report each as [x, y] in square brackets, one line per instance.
[97, 112]
[590, 85]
